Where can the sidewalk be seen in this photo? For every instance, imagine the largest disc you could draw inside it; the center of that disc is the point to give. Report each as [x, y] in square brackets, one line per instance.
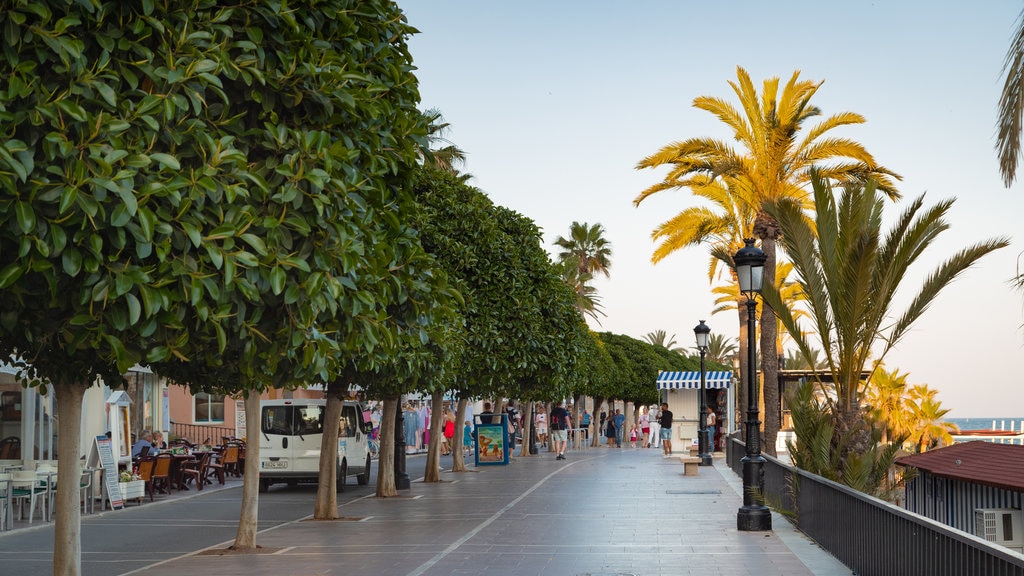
[602, 511]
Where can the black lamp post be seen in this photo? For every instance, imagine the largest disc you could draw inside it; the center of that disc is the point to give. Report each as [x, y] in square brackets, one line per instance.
[702, 331]
[753, 516]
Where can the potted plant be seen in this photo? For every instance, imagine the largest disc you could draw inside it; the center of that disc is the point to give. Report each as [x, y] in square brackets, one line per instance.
[132, 486]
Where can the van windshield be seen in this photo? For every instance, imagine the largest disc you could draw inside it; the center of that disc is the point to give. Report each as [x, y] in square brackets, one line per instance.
[292, 420]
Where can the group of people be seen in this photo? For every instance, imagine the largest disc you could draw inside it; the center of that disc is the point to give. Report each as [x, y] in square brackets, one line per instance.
[653, 430]
[148, 443]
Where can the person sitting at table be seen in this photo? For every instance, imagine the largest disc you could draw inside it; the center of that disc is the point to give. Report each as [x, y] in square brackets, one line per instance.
[158, 442]
[145, 441]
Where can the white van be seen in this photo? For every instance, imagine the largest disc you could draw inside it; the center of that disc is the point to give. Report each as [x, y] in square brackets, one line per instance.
[290, 436]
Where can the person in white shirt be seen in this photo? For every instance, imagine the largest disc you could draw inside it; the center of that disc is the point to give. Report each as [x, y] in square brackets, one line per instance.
[542, 427]
[653, 418]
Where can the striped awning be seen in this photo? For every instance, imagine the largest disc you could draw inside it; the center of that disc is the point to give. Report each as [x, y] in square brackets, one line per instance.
[675, 380]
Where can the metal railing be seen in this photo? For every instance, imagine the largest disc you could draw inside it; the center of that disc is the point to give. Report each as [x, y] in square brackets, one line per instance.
[199, 433]
[871, 536]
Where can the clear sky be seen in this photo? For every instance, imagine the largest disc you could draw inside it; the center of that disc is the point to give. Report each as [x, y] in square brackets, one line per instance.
[556, 101]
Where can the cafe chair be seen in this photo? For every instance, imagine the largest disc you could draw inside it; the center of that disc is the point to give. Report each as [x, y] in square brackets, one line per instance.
[26, 486]
[6, 518]
[162, 473]
[199, 470]
[146, 468]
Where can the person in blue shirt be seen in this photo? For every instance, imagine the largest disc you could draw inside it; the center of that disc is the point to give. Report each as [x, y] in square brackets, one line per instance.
[620, 423]
[585, 422]
[145, 442]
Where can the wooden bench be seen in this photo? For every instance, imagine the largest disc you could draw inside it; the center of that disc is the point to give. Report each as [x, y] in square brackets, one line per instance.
[690, 464]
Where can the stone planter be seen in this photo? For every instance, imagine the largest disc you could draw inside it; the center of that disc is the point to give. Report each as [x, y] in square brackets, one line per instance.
[136, 489]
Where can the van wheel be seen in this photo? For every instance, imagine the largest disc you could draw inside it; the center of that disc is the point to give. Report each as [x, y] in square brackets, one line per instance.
[342, 475]
[264, 485]
[364, 478]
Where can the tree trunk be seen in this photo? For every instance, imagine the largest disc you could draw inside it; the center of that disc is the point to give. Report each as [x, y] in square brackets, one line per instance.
[326, 505]
[769, 356]
[528, 423]
[458, 452]
[67, 530]
[432, 471]
[595, 422]
[386, 459]
[245, 538]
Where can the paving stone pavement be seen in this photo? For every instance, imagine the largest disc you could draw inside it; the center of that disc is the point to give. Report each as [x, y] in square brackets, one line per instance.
[600, 512]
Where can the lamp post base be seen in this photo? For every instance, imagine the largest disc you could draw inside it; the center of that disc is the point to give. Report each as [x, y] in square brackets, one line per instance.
[754, 518]
[705, 459]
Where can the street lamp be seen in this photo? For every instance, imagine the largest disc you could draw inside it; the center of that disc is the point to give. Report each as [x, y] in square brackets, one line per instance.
[753, 516]
[702, 331]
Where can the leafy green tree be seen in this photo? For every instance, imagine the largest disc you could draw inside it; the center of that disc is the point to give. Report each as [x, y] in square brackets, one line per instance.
[194, 182]
[850, 271]
[772, 164]
[531, 351]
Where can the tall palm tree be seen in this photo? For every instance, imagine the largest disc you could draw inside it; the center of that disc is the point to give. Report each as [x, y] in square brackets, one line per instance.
[888, 401]
[721, 349]
[440, 152]
[1011, 107]
[587, 302]
[850, 271]
[930, 430]
[587, 248]
[772, 163]
[661, 339]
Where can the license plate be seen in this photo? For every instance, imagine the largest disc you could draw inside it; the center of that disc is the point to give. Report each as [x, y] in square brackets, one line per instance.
[275, 464]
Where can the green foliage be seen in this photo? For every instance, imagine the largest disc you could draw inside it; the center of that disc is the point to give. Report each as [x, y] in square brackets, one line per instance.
[522, 334]
[636, 364]
[200, 182]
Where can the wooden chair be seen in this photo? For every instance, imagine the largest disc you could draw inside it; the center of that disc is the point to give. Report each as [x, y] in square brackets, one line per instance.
[162, 472]
[146, 468]
[230, 460]
[216, 467]
[198, 470]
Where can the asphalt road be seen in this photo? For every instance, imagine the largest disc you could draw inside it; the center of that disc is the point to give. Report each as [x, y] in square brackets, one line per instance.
[128, 540]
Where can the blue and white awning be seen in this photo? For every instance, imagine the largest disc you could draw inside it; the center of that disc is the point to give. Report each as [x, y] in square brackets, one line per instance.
[676, 380]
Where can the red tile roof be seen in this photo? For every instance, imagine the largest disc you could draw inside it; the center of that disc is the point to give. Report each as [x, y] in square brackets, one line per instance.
[998, 465]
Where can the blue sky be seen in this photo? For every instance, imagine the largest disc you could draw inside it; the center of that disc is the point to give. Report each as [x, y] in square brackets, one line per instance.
[556, 101]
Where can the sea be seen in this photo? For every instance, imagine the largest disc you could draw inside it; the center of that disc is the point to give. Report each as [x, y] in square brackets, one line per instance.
[1015, 424]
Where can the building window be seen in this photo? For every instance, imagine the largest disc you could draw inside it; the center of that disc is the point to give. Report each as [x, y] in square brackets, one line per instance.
[209, 408]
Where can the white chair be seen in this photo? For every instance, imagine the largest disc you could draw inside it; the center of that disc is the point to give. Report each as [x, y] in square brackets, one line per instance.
[6, 513]
[46, 473]
[25, 485]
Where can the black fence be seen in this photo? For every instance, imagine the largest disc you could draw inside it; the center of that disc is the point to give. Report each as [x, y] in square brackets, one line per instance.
[871, 536]
[200, 433]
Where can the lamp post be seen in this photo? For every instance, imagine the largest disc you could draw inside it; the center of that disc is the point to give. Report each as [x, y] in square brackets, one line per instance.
[702, 331]
[753, 516]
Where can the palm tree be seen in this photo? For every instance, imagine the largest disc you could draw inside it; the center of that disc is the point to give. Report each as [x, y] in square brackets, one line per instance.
[721, 349]
[850, 272]
[587, 303]
[930, 430]
[440, 152]
[586, 248]
[888, 402]
[1011, 107]
[772, 164]
[661, 339]
[796, 361]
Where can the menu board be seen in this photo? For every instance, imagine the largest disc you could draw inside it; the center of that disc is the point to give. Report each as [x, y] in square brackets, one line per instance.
[110, 473]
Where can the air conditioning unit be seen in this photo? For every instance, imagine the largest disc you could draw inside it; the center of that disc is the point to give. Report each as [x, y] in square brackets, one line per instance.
[1000, 526]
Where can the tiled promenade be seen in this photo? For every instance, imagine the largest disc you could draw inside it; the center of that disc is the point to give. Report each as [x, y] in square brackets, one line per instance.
[603, 511]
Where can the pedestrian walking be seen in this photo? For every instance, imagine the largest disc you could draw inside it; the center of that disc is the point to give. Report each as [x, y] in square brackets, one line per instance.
[620, 427]
[653, 418]
[645, 428]
[712, 425]
[559, 425]
[666, 429]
